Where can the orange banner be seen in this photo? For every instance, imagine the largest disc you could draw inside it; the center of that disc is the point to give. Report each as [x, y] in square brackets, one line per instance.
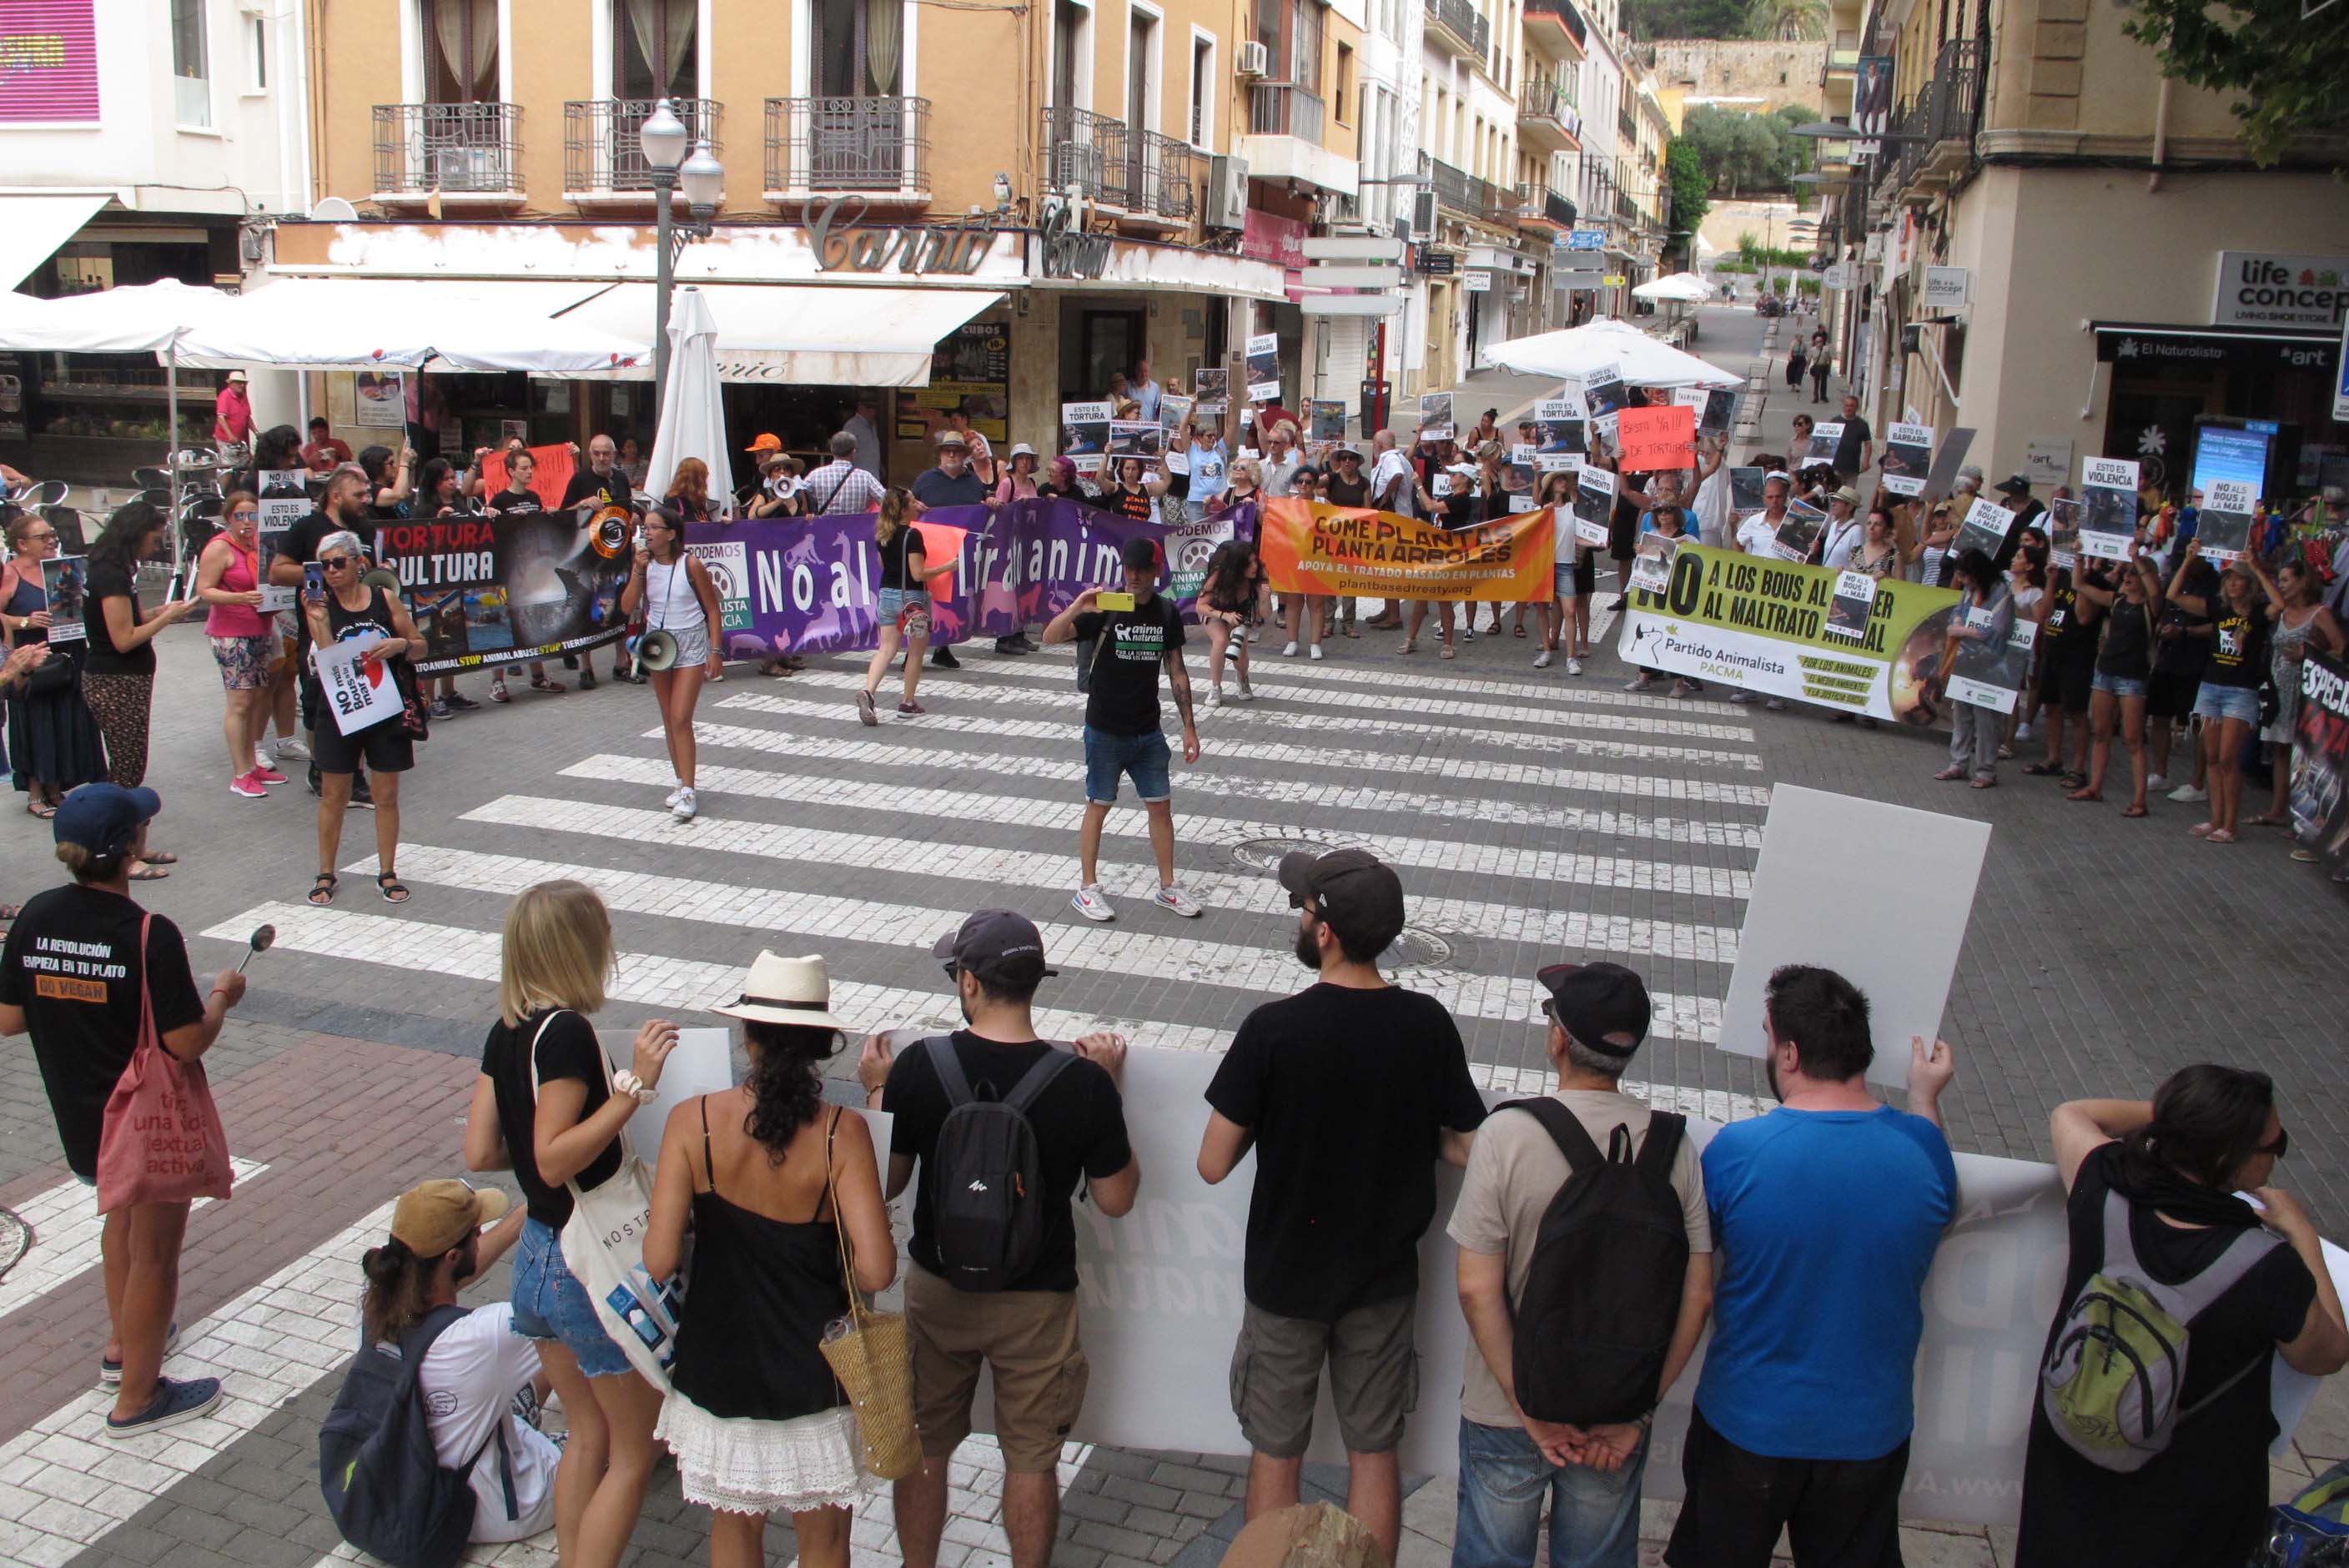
[1309, 548]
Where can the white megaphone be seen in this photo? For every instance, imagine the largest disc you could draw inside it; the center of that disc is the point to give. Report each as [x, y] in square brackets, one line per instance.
[657, 651]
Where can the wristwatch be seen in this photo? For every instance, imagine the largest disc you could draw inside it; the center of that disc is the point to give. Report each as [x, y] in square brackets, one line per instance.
[627, 1083]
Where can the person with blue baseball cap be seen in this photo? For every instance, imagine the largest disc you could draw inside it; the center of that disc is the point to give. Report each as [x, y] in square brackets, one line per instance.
[73, 973]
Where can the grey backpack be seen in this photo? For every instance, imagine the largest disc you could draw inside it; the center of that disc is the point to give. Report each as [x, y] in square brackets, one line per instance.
[986, 1173]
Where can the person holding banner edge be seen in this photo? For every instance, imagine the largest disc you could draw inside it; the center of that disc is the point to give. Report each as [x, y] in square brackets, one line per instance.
[1975, 728]
[2296, 620]
[674, 590]
[346, 611]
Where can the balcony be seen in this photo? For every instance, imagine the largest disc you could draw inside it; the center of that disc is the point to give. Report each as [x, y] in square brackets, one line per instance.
[1939, 126]
[465, 153]
[1283, 141]
[1161, 181]
[1275, 108]
[1547, 119]
[1085, 152]
[875, 147]
[602, 155]
[1464, 194]
[1542, 210]
[1454, 26]
[1556, 28]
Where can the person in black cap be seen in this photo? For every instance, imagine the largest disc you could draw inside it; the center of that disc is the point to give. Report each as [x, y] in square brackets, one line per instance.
[1510, 1460]
[1350, 1091]
[1026, 1334]
[2016, 488]
[72, 974]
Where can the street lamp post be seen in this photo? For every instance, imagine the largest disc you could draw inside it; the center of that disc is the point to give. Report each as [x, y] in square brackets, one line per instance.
[664, 140]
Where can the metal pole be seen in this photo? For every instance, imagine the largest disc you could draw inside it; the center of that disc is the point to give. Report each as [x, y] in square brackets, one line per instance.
[664, 280]
[171, 442]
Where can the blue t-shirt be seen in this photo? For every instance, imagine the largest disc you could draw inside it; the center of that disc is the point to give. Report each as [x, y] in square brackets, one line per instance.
[1825, 1222]
[1208, 475]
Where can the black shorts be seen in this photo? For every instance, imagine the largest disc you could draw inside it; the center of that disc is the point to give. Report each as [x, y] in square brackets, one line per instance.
[1838, 1513]
[1622, 537]
[2170, 695]
[386, 748]
[2066, 679]
[1586, 573]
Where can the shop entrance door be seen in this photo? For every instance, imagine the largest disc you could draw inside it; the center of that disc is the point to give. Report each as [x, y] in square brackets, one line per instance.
[1096, 345]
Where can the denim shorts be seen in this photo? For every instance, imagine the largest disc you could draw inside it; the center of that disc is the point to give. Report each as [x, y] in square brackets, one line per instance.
[1562, 577]
[2215, 702]
[2117, 686]
[1143, 758]
[894, 601]
[549, 1303]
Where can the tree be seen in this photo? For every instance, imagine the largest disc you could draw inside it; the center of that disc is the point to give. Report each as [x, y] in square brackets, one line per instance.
[2287, 66]
[1788, 21]
[1742, 152]
[1692, 193]
[1685, 18]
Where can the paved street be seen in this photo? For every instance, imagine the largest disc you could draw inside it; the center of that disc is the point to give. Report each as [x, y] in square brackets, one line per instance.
[1533, 816]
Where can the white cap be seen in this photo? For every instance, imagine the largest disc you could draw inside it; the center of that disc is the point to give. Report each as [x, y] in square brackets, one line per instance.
[1022, 450]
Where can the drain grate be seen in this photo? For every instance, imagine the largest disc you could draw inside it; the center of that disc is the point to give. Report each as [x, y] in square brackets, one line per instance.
[1415, 950]
[1264, 854]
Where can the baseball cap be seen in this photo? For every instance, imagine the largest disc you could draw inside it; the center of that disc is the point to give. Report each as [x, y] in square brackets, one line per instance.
[1140, 554]
[998, 945]
[433, 1217]
[765, 443]
[952, 439]
[2014, 484]
[1592, 1001]
[1356, 892]
[104, 818]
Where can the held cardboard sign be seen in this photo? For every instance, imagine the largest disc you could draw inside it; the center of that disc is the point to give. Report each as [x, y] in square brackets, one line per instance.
[1656, 437]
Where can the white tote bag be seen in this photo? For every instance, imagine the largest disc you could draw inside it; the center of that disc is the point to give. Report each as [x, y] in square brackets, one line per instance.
[603, 1246]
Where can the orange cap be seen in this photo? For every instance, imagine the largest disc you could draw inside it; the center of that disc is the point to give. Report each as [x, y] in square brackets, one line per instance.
[766, 443]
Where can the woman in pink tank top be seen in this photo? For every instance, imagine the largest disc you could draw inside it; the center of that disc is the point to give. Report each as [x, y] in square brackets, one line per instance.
[228, 578]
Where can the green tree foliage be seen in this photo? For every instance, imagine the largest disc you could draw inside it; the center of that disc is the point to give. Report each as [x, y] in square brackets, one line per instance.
[1788, 21]
[1685, 18]
[1692, 191]
[1741, 153]
[2288, 68]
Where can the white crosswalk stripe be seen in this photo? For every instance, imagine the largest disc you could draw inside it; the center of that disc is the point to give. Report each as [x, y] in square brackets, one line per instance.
[65, 1222]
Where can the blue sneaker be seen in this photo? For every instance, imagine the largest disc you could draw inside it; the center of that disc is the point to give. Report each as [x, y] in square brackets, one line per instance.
[176, 1401]
[109, 1371]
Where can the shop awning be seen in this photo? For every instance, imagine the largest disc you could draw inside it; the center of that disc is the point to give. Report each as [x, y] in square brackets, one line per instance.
[2155, 343]
[32, 227]
[375, 324]
[138, 318]
[807, 334]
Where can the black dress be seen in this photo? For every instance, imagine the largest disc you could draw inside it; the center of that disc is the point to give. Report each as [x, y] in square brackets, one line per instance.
[51, 736]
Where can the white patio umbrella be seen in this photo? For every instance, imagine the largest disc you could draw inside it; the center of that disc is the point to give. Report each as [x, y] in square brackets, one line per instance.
[1685, 288]
[1577, 351]
[382, 324]
[692, 411]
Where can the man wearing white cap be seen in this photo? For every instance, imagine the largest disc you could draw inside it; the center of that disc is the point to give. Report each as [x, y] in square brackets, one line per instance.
[232, 413]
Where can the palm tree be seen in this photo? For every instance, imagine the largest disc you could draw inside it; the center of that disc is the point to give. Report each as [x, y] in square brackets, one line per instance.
[1789, 21]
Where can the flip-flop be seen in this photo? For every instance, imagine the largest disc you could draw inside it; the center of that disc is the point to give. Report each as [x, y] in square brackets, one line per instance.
[2133, 812]
[148, 872]
[2038, 769]
[41, 809]
[160, 858]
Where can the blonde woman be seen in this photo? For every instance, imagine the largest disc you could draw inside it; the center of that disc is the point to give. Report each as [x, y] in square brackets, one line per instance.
[904, 608]
[548, 1107]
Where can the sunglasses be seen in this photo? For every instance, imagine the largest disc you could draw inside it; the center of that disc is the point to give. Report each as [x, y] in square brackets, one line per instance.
[244, 514]
[335, 562]
[2280, 1148]
[51, 534]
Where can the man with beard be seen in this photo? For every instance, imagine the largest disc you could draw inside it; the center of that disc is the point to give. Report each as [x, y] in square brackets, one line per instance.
[1758, 536]
[1826, 1216]
[343, 508]
[1350, 1091]
[602, 482]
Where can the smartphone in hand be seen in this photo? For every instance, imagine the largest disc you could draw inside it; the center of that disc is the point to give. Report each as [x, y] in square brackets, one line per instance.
[314, 580]
[1113, 599]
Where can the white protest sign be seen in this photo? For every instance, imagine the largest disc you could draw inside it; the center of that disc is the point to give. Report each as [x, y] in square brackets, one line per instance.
[702, 1062]
[1557, 462]
[1594, 505]
[2107, 506]
[358, 697]
[1264, 366]
[284, 501]
[1908, 458]
[1891, 921]
[1848, 611]
[2230, 495]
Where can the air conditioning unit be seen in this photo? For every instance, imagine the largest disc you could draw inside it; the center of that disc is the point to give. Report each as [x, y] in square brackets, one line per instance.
[1422, 214]
[1227, 193]
[1256, 60]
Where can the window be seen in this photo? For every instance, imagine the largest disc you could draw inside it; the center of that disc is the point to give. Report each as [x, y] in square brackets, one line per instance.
[1141, 75]
[655, 49]
[191, 87]
[1203, 75]
[257, 41]
[461, 51]
[1072, 41]
[1342, 94]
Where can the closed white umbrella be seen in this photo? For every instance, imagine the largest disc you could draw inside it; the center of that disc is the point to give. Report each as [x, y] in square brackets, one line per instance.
[1577, 351]
[692, 410]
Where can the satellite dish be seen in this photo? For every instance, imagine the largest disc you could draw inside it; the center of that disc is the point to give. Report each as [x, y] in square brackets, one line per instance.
[334, 210]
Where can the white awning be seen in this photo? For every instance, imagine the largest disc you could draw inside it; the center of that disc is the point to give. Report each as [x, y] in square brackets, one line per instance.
[33, 227]
[339, 323]
[138, 318]
[806, 334]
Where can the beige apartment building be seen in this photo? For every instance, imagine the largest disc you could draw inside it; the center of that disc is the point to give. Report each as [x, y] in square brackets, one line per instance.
[988, 207]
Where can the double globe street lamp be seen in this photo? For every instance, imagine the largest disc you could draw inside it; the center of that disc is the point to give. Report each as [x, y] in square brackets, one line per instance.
[664, 140]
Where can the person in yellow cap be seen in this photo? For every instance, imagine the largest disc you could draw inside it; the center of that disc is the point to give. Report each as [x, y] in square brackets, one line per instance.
[478, 1376]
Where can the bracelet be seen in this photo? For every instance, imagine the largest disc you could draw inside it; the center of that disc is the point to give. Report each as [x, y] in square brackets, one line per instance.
[627, 1082]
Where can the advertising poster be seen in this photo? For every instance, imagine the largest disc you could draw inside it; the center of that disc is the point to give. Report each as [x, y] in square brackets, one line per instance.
[1561, 425]
[1984, 529]
[1798, 531]
[2064, 533]
[1989, 675]
[2320, 784]
[1594, 506]
[2107, 506]
[489, 592]
[1825, 440]
[1264, 368]
[1762, 625]
[65, 580]
[1312, 547]
[1325, 419]
[379, 399]
[2225, 523]
[1435, 416]
[1744, 494]
[285, 501]
[2239, 453]
[1908, 458]
[969, 371]
[1657, 437]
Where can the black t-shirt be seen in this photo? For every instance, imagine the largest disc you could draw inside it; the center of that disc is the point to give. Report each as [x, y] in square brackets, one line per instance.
[2126, 651]
[300, 542]
[1338, 492]
[2065, 635]
[109, 579]
[586, 484]
[1132, 503]
[1854, 434]
[2185, 655]
[935, 487]
[1348, 1092]
[896, 568]
[517, 500]
[2238, 651]
[1080, 1126]
[1123, 696]
[70, 964]
[2203, 1499]
[567, 1049]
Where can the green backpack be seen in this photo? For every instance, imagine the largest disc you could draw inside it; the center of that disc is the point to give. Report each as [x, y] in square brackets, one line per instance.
[2111, 1379]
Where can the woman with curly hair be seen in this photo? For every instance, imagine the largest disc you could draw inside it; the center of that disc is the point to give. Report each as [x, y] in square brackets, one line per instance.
[778, 1188]
[1228, 597]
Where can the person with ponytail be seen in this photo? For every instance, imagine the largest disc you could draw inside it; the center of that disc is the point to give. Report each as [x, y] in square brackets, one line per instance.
[782, 1194]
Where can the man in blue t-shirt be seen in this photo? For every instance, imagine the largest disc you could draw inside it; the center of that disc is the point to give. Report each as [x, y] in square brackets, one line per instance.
[1826, 1215]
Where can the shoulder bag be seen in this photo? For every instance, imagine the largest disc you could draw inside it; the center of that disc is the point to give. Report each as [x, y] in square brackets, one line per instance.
[161, 1141]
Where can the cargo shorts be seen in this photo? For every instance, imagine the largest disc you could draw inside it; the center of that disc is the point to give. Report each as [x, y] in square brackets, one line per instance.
[1026, 1338]
[1374, 1376]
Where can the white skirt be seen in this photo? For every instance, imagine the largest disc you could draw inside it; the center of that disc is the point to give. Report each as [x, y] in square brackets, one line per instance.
[743, 1465]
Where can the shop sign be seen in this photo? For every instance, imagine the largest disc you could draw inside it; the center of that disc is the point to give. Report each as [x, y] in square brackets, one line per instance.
[48, 58]
[1269, 237]
[1068, 251]
[1434, 263]
[2154, 349]
[2261, 288]
[1477, 283]
[842, 243]
[1946, 289]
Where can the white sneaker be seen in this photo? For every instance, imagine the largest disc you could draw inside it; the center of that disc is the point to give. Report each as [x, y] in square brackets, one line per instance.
[1639, 682]
[1314, 652]
[685, 805]
[1092, 904]
[1573, 665]
[1216, 697]
[1741, 695]
[2022, 732]
[2159, 781]
[1176, 900]
[1290, 652]
[1246, 694]
[670, 798]
[2187, 795]
[292, 747]
[1541, 660]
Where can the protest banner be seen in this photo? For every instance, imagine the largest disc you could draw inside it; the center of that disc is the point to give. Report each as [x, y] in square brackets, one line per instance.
[1762, 625]
[285, 501]
[550, 478]
[2064, 533]
[1744, 494]
[65, 583]
[1325, 419]
[1435, 416]
[2224, 526]
[358, 694]
[1855, 598]
[1908, 458]
[2107, 506]
[1651, 567]
[1798, 531]
[1654, 437]
[1825, 440]
[1188, 549]
[489, 591]
[1264, 368]
[1311, 547]
[2320, 779]
[1984, 529]
[1989, 674]
[1594, 505]
[1084, 428]
[1561, 425]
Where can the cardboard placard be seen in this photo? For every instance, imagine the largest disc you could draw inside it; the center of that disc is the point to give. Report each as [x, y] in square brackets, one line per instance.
[1655, 437]
[1908, 458]
[1594, 505]
[357, 697]
[1848, 611]
[65, 580]
[1264, 368]
[2107, 506]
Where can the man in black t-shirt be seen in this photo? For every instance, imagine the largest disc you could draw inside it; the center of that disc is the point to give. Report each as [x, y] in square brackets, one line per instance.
[343, 509]
[1120, 655]
[602, 482]
[72, 974]
[1026, 1336]
[1857, 449]
[1348, 1091]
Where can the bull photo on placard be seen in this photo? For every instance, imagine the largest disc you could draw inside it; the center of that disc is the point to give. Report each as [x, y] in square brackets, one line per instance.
[1908, 458]
[1435, 415]
[1799, 530]
[1136, 439]
[1744, 494]
[1594, 505]
[1084, 428]
[1561, 425]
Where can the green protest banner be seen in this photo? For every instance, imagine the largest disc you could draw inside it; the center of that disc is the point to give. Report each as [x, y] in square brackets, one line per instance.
[1742, 620]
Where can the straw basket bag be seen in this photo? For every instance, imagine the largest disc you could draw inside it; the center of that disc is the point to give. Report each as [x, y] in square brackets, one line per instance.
[872, 1354]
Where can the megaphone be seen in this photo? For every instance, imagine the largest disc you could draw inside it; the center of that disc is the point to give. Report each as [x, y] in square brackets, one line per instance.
[382, 577]
[657, 651]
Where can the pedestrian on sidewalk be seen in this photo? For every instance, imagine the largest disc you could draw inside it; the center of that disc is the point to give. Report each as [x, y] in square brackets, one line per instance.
[1524, 1169]
[994, 1280]
[228, 578]
[83, 1035]
[1799, 363]
[1821, 363]
[1348, 1092]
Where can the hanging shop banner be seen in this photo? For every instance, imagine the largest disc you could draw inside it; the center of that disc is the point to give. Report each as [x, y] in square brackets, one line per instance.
[2107, 506]
[2320, 784]
[1311, 547]
[489, 591]
[1763, 625]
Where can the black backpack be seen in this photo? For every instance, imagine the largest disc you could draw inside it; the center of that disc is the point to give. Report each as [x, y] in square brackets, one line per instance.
[986, 1174]
[1600, 1302]
[385, 1484]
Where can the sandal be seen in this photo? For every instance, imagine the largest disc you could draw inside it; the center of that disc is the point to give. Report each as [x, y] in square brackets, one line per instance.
[2039, 769]
[2133, 812]
[322, 892]
[2085, 793]
[2204, 829]
[1948, 775]
[1409, 645]
[148, 871]
[540, 683]
[394, 890]
[1985, 782]
[2222, 837]
[2267, 820]
[1447, 650]
[160, 858]
[41, 809]
[2074, 781]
